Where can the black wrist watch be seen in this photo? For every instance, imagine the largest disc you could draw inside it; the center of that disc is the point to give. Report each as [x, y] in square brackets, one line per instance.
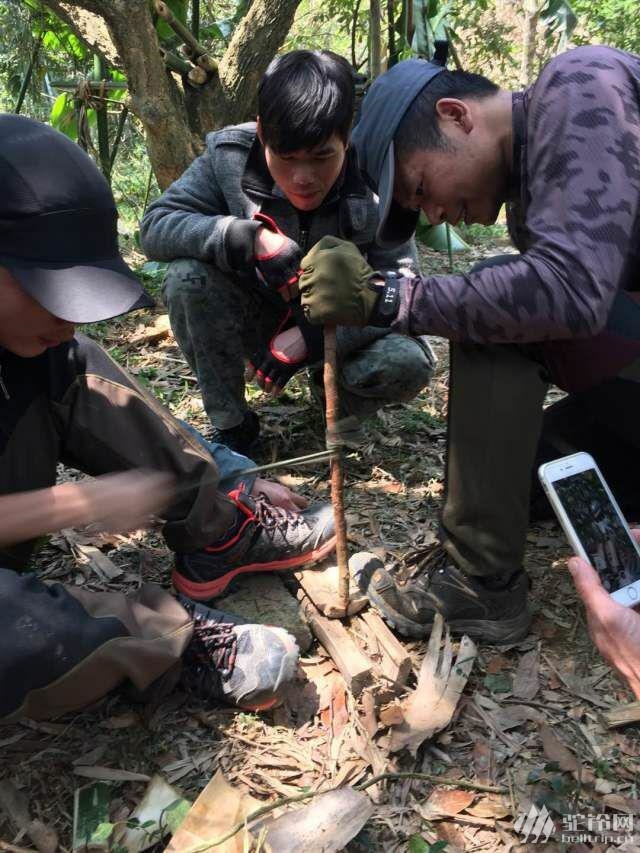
[387, 283]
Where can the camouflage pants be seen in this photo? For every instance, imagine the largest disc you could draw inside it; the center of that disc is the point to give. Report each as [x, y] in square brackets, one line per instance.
[220, 320]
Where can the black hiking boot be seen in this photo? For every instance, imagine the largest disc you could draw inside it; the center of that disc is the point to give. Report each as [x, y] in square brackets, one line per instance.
[266, 538]
[482, 608]
[241, 438]
[234, 661]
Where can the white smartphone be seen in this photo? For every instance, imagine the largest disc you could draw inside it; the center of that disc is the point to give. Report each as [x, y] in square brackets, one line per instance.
[593, 523]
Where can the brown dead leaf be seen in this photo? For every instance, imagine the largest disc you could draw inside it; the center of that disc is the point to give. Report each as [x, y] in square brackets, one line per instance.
[525, 682]
[431, 706]
[109, 774]
[160, 329]
[121, 721]
[617, 803]
[512, 716]
[492, 805]
[88, 554]
[339, 713]
[391, 715]
[16, 806]
[556, 751]
[553, 681]
[449, 832]
[498, 663]
[446, 802]
[391, 488]
[483, 762]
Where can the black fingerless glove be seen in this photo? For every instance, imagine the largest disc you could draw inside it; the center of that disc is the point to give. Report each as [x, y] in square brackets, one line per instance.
[280, 270]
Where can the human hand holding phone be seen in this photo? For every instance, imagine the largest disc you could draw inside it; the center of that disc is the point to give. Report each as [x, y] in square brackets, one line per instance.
[594, 524]
[614, 628]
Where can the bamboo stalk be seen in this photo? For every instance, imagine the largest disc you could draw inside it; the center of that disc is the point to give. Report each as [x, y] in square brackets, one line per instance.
[124, 112]
[175, 63]
[178, 27]
[337, 476]
[28, 74]
[102, 122]
[195, 18]
[72, 85]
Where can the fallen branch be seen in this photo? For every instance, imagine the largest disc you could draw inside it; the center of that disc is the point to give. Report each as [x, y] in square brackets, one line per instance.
[296, 798]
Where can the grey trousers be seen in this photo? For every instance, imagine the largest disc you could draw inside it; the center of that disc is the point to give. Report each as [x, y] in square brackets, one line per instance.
[219, 321]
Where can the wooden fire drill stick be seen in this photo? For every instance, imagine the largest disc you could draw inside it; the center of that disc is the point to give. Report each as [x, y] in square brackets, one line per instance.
[332, 415]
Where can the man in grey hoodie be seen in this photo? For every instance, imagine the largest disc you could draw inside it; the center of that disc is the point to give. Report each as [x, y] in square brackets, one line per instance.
[235, 226]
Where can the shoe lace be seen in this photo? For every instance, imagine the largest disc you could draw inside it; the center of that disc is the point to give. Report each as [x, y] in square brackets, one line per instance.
[213, 647]
[420, 564]
[273, 518]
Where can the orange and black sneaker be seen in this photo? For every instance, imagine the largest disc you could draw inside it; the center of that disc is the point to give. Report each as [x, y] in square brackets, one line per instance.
[234, 661]
[266, 538]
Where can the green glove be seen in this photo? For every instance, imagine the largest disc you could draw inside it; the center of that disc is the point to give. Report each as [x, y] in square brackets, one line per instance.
[334, 285]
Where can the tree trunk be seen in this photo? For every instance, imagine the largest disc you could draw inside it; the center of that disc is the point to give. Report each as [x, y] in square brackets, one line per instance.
[375, 39]
[175, 120]
[529, 27]
[255, 42]
[89, 28]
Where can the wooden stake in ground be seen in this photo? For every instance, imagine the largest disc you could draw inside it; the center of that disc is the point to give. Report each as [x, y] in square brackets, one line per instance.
[332, 415]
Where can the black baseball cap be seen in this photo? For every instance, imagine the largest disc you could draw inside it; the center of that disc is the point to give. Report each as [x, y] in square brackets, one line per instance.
[58, 226]
[382, 110]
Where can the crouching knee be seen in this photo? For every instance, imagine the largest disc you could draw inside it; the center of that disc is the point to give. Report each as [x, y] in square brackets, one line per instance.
[183, 277]
[392, 369]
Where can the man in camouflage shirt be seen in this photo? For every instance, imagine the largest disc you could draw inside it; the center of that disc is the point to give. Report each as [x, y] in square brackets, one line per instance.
[564, 156]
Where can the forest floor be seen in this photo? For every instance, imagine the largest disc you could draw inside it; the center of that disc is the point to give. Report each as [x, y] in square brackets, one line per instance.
[529, 721]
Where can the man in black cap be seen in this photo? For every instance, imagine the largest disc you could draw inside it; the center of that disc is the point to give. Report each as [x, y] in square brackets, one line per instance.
[62, 399]
[563, 156]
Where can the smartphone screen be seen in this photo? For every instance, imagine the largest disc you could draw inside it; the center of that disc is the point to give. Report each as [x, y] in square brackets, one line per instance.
[599, 528]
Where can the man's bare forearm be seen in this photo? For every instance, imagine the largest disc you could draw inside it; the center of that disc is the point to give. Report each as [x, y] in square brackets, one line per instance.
[114, 502]
[26, 515]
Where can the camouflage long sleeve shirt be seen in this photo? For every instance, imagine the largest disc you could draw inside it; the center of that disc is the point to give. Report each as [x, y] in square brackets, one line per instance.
[576, 221]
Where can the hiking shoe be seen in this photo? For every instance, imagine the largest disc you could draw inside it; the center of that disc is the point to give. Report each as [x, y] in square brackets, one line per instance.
[241, 438]
[234, 661]
[482, 608]
[266, 539]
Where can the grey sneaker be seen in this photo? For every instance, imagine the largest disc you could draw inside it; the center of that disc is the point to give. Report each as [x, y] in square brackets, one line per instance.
[234, 661]
[484, 609]
[266, 538]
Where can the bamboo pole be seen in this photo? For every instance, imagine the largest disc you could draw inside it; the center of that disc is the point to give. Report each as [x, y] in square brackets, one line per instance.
[185, 34]
[195, 18]
[94, 85]
[28, 74]
[337, 476]
[102, 121]
[124, 112]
